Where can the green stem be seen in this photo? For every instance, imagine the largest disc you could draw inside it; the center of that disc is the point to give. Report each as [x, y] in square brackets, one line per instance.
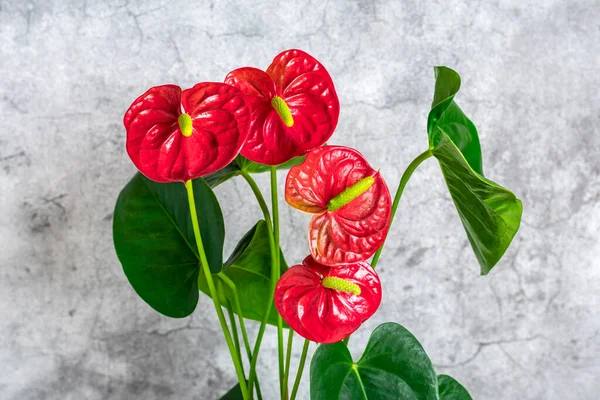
[277, 274]
[238, 309]
[274, 275]
[260, 199]
[403, 181]
[300, 369]
[288, 357]
[234, 330]
[213, 292]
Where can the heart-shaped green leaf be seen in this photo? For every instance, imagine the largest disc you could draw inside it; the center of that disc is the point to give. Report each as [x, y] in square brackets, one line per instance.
[249, 267]
[154, 240]
[393, 366]
[450, 389]
[490, 214]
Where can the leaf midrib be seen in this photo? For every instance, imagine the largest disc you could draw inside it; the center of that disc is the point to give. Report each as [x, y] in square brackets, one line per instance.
[171, 219]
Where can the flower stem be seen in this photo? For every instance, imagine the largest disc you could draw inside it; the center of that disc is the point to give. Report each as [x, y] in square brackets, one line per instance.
[275, 208]
[288, 357]
[234, 330]
[212, 290]
[274, 275]
[300, 369]
[238, 309]
[403, 181]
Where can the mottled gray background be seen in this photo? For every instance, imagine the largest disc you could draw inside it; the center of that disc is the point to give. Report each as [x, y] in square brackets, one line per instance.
[71, 327]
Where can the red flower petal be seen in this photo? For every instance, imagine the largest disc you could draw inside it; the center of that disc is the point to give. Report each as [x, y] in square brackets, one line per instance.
[307, 89]
[252, 82]
[156, 145]
[321, 314]
[355, 231]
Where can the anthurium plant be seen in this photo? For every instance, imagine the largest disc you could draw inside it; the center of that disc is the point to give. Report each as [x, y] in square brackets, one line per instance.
[169, 232]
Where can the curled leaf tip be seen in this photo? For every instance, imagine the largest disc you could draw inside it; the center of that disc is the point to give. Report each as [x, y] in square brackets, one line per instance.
[283, 111]
[185, 124]
[342, 285]
[350, 193]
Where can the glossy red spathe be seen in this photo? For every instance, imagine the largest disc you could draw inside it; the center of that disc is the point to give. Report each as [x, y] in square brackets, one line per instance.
[323, 314]
[353, 232]
[310, 109]
[212, 135]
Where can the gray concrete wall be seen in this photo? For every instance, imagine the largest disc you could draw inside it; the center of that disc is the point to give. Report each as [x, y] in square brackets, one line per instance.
[71, 327]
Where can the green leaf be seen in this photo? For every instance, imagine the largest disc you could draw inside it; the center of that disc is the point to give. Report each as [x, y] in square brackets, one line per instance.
[393, 366]
[490, 214]
[243, 164]
[446, 114]
[254, 168]
[249, 267]
[244, 243]
[450, 389]
[235, 393]
[223, 175]
[154, 240]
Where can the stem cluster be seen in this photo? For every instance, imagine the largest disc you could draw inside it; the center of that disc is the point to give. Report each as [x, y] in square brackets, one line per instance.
[251, 385]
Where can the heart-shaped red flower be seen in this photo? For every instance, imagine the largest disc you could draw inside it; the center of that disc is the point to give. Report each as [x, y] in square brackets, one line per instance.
[351, 200]
[294, 107]
[178, 136]
[325, 304]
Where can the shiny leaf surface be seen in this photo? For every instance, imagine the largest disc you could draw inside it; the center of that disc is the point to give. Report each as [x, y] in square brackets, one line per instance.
[393, 366]
[450, 389]
[155, 243]
[490, 214]
[446, 115]
[249, 267]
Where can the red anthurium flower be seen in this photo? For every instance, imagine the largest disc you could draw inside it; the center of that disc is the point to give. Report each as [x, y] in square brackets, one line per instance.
[325, 304]
[351, 200]
[175, 135]
[294, 107]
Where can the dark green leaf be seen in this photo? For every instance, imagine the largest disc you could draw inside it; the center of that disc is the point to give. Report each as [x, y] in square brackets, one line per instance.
[450, 389]
[249, 267]
[255, 168]
[243, 164]
[331, 372]
[490, 214]
[235, 393]
[155, 243]
[243, 244]
[216, 178]
[393, 366]
[446, 114]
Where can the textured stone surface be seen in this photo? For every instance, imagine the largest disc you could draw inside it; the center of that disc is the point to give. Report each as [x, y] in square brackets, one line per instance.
[71, 326]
